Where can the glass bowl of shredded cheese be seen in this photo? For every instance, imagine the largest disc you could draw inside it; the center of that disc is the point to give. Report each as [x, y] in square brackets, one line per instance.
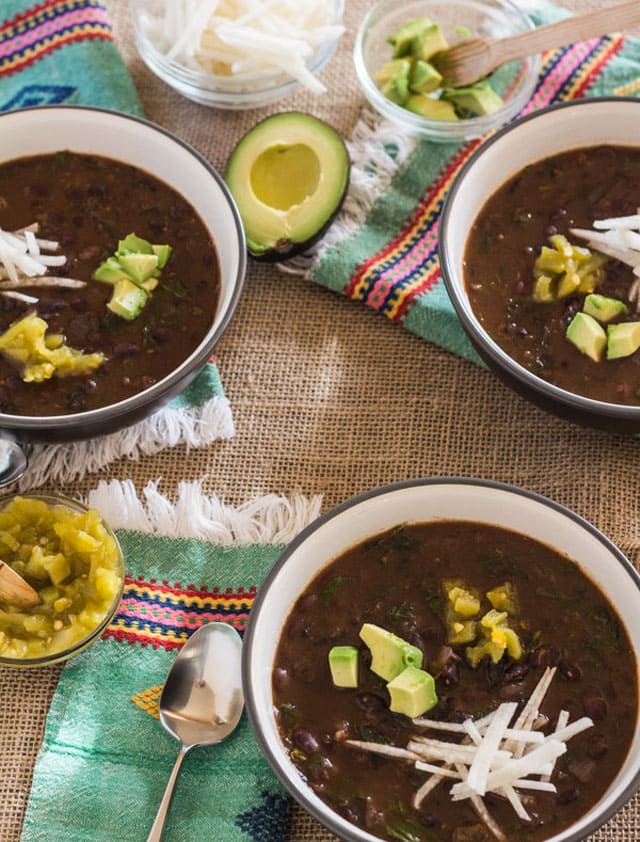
[237, 54]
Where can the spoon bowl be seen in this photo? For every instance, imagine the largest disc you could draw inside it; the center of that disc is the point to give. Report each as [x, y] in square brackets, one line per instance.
[202, 700]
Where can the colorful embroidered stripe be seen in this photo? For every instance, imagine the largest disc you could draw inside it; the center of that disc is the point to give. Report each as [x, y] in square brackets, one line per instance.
[163, 614]
[408, 265]
[47, 27]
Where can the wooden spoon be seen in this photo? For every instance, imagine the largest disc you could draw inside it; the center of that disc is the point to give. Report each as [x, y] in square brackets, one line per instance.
[15, 590]
[474, 58]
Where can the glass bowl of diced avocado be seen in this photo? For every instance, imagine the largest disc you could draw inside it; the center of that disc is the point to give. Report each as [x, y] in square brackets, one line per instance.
[395, 61]
[61, 578]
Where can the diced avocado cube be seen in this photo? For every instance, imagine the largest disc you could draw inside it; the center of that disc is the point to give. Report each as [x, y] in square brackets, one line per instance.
[127, 300]
[110, 271]
[588, 336]
[412, 692]
[132, 244]
[139, 267]
[479, 98]
[163, 253]
[390, 654]
[433, 109]
[424, 78]
[150, 284]
[395, 67]
[343, 663]
[604, 309]
[397, 88]
[402, 39]
[622, 339]
[429, 42]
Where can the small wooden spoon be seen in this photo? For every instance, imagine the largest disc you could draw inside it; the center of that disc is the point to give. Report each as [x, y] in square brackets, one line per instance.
[15, 590]
[474, 58]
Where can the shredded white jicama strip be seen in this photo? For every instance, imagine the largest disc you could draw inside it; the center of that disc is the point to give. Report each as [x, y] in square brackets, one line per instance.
[236, 37]
[22, 263]
[617, 237]
[492, 756]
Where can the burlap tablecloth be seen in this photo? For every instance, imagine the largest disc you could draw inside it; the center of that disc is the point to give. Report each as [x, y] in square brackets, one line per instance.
[330, 398]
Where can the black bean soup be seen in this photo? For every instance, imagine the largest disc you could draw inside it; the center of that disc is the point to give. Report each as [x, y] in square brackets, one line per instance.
[395, 580]
[88, 203]
[547, 198]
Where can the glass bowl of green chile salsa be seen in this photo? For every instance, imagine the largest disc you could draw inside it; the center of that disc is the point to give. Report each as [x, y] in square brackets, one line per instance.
[72, 559]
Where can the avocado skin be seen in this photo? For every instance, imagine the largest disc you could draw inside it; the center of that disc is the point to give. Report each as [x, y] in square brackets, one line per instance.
[288, 247]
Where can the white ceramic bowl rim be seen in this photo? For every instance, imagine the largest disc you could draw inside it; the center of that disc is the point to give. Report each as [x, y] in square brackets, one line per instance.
[296, 787]
[465, 314]
[202, 353]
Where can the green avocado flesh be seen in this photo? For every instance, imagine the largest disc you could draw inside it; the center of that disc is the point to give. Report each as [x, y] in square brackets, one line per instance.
[288, 176]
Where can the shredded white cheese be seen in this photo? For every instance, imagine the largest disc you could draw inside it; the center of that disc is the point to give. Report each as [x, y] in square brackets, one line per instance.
[493, 755]
[236, 37]
[617, 237]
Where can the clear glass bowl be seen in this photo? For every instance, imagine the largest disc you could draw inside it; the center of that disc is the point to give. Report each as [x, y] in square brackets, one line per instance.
[515, 81]
[238, 92]
[95, 633]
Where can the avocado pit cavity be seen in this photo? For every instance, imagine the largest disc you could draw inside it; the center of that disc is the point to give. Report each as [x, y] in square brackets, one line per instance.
[288, 176]
[285, 176]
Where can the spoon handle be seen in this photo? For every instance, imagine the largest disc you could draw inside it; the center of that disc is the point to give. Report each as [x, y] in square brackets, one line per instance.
[156, 831]
[618, 17]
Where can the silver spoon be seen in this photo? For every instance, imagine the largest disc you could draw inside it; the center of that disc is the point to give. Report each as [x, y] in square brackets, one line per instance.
[202, 701]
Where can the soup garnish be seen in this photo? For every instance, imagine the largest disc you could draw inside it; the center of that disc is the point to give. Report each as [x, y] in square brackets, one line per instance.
[66, 219]
[555, 234]
[534, 684]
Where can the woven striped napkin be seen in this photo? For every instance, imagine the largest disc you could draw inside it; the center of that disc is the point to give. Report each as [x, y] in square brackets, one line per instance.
[63, 52]
[382, 249]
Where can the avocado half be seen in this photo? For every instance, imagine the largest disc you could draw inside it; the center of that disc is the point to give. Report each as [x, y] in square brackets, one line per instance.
[289, 176]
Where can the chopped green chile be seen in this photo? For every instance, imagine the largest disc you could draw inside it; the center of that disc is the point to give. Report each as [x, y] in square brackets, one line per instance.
[396, 580]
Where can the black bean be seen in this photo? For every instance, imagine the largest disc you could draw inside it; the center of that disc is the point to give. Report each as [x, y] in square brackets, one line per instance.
[516, 673]
[305, 741]
[280, 678]
[550, 230]
[307, 601]
[450, 675]
[583, 769]
[125, 349]
[305, 670]
[370, 703]
[594, 705]
[571, 672]
[566, 796]
[598, 746]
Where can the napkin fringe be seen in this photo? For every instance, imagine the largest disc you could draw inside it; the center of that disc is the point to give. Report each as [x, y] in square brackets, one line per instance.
[195, 426]
[270, 519]
[377, 150]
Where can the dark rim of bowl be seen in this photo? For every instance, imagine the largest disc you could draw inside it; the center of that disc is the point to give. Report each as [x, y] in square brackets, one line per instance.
[54, 498]
[466, 315]
[201, 355]
[261, 601]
